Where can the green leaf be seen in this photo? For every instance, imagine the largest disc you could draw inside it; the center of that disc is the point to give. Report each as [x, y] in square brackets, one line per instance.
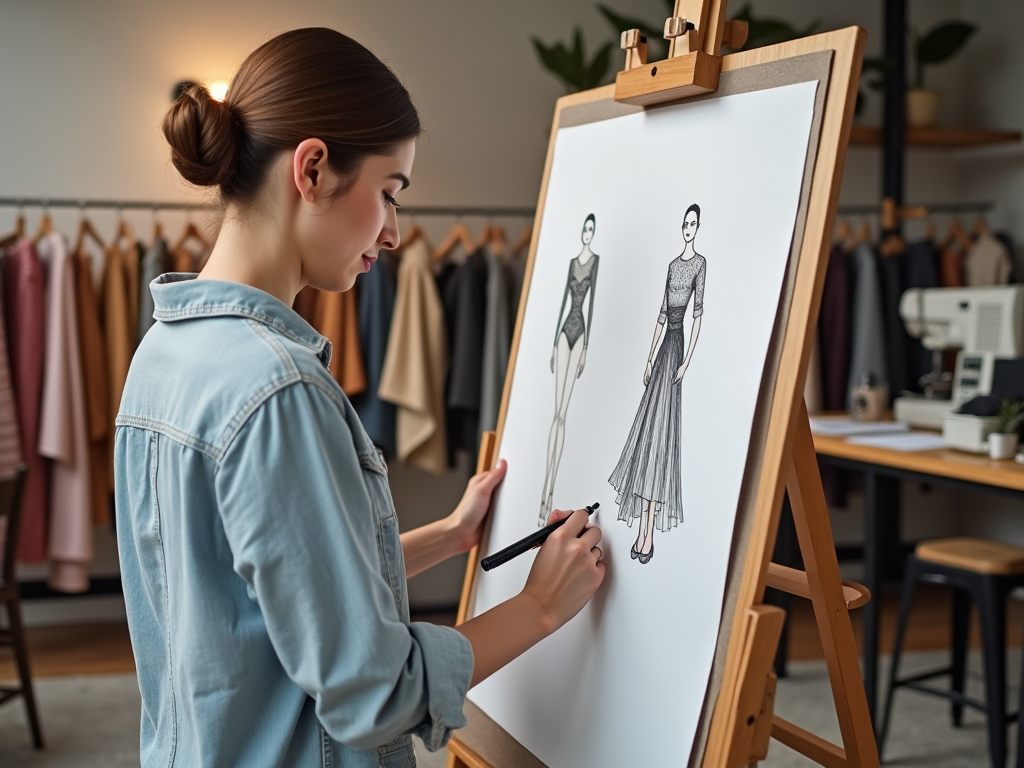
[570, 64]
[599, 66]
[943, 41]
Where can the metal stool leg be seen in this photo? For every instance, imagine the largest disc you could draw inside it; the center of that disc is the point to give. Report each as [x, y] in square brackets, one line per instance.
[21, 659]
[992, 607]
[906, 601]
[961, 628]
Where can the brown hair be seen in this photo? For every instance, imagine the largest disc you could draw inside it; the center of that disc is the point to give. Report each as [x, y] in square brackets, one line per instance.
[307, 83]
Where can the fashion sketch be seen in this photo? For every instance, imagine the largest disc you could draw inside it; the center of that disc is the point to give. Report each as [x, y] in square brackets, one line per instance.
[647, 477]
[572, 334]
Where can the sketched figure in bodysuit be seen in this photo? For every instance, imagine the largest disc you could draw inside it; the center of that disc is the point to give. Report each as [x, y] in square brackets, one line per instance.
[569, 355]
[647, 477]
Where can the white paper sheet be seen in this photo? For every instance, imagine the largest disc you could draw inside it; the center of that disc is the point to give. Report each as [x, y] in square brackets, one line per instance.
[843, 426]
[624, 682]
[911, 441]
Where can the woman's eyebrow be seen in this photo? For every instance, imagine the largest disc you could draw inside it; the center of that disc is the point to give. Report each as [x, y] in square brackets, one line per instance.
[400, 177]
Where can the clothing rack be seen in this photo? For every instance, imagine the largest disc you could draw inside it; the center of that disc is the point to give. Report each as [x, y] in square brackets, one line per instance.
[457, 211]
[929, 208]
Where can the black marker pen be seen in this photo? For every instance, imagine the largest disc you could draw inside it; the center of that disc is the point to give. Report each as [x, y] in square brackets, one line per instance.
[532, 541]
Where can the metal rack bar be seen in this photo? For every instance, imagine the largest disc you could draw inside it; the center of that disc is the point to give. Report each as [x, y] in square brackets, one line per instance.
[152, 205]
[875, 210]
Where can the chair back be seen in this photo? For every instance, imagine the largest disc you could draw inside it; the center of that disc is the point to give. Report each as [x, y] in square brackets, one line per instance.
[11, 489]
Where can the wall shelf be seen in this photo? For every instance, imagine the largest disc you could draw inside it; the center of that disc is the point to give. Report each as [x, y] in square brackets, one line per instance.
[869, 136]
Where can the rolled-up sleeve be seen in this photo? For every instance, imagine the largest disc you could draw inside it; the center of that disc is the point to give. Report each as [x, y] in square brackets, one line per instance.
[302, 525]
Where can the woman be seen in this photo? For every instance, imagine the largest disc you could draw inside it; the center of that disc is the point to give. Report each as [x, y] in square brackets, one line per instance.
[647, 475]
[264, 573]
[568, 355]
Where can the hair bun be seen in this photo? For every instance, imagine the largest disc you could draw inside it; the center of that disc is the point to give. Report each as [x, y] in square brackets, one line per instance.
[201, 132]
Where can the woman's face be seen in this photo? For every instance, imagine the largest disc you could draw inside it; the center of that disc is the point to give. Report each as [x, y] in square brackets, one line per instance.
[588, 231]
[690, 226]
[340, 241]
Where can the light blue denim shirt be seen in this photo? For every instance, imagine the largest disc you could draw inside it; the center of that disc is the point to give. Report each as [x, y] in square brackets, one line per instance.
[262, 569]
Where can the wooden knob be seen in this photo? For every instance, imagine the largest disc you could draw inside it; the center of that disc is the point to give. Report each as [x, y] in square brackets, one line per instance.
[676, 27]
[631, 38]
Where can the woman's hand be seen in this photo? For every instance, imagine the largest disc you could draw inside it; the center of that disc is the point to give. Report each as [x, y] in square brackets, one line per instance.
[583, 361]
[554, 353]
[648, 373]
[681, 372]
[568, 568]
[468, 518]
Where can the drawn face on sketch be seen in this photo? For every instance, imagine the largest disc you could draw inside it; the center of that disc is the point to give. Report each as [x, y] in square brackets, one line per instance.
[588, 230]
[690, 226]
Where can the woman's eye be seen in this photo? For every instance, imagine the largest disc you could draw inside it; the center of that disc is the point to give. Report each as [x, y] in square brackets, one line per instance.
[389, 200]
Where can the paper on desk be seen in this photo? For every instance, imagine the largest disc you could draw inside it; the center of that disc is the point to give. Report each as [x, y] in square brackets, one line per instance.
[908, 441]
[844, 426]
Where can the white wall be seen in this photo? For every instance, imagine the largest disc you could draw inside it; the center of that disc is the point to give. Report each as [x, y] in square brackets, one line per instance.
[85, 85]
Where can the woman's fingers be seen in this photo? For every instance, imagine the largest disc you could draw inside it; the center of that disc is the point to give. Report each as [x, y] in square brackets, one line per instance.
[590, 537]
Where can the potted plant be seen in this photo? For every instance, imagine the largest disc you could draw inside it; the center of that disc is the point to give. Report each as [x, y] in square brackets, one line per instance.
[937, 45]
[1002, 444]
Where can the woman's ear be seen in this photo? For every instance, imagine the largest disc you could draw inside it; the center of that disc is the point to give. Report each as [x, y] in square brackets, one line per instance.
[309, 167]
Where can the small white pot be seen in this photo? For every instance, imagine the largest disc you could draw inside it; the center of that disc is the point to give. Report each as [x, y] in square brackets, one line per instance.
[1002, 446]
[922, 106]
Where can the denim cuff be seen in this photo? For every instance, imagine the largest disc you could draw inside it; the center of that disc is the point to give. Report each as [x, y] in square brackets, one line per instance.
[448, 661]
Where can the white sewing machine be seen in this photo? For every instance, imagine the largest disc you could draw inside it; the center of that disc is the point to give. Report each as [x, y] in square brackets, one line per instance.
[982, 323]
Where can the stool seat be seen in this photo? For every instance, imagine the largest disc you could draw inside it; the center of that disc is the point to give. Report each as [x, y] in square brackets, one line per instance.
[972, 554]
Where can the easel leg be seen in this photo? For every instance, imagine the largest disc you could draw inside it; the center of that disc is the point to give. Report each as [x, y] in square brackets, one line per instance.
[785, 554]
[814, 532]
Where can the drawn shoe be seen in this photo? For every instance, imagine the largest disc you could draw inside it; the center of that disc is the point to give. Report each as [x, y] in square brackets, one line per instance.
[645, 559]
[633, 553]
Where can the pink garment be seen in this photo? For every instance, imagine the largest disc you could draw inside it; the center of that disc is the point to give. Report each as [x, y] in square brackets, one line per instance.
[25, 305]
[63, 432]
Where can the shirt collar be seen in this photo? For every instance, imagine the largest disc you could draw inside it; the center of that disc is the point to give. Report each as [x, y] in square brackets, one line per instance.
[180, 296]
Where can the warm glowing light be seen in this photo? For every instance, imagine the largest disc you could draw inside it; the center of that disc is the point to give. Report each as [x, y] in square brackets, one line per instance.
[218, 90]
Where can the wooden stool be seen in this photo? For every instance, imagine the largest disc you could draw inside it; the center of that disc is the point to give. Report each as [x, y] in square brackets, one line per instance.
[979, 570]
[14, 636]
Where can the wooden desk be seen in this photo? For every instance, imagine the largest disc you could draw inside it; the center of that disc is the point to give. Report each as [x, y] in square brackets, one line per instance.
[883, 468]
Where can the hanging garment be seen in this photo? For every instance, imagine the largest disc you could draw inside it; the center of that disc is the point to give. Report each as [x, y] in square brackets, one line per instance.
[25, 304]
[921, 265]
[951, 266]
[118, 327]
[517, 275]
[376, 308]
[95, 374]
[10, 443]
[834, 330]
[897, 340]
[63, 431]
[497, 342]
[335, 317]
[867, 330]
[415, 364]
[1016, 273]
[154, 262]
[465, 307]
[987, 262]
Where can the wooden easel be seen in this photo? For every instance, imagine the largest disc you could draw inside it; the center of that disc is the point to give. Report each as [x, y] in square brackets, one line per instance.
[743, 720]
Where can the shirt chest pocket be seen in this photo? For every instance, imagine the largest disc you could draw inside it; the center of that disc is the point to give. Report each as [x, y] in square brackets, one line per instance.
[389, 545]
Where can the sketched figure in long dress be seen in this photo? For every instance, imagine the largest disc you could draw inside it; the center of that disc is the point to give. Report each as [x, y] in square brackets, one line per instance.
[647, 477]
[569, 355]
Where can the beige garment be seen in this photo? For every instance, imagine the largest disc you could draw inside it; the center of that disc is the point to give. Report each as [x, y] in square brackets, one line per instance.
[118, 337]
[987, 263]
[97, 390]
[131, 289]
[416, 363]
[334, 316]
[63, 431]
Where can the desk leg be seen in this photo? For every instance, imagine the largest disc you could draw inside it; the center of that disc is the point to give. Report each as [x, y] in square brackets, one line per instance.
[881, 561]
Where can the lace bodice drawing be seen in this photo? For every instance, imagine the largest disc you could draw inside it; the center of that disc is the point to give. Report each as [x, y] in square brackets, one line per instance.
[582, 278]
[685, 279]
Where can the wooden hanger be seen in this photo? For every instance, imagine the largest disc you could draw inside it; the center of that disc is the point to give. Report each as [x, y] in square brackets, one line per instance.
[124, 232]
[86, 229]
[17, 234]
[458, 235]
[957, 234]
[191, 232]
[410, 237]
[498, 241]
[45, 227]
[525, 237]
[862, 235]
[843, 233]
[158, 227]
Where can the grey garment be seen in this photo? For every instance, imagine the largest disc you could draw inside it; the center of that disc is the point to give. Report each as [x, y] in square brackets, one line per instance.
[867, 332]
[517, 274]
[685, 278]
[497, 341]
[155, 262]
